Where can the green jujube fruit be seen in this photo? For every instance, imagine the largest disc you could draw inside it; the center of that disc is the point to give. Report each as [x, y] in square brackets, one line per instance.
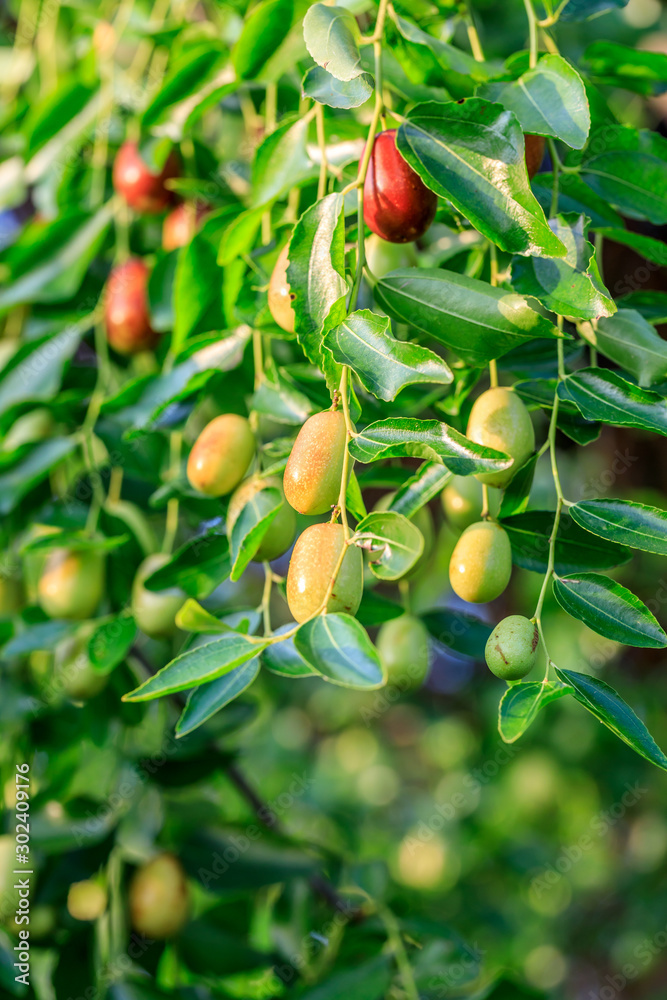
[159, 898]
[481, 563]
[155, 611]
[403, 646]
[72, 583]
[315, 466]
[311, 569]
[511, 649]
[221, 455]
[500, 420]
[73, 672]
[281, 531]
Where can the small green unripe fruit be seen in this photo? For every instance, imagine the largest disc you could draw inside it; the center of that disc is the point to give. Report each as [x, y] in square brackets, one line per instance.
[422, 519]
[73, 672]
[315, 466]
[86, 900]
[511, 650]
[481, 563]
[280, 535]
[312, 566]
[383, 257]
[403, 647]
[462, 501]
[72, 583]
[500, 420]
[159, 898]
[155, 611]
[220, 456]
[280, 298]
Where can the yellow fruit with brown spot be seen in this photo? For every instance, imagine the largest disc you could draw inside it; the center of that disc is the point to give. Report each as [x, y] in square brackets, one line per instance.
[220, 456]
[159, 898]
[481, 563]
[499, 419]
[311, 569]
[315, 466]
[281, 531]
[280, 296]
[72, 583]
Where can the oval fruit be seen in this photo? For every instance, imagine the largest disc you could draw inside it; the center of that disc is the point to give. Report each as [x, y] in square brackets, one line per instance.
[220, 456]
[511, 649]
[462, 501]
[126, 314]
[311, 569]
[534, 152]
[315, 466]
[398, 206]
[159, 898]
[142, 189]
[500, 420]
[481, 563]
[86, 900]
[403, 646]
[73, 672]
[181, 224]
[280, 298]
[155, 611]
[71, 584]
[383, 257]
[280, 535]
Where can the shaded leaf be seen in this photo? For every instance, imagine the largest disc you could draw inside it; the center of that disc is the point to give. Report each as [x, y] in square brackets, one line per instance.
[208, 699]
[630, 340]
[521, 702]
[338, 647]
[529, 535]
[324, 88]
[394, 543]
[609, 609]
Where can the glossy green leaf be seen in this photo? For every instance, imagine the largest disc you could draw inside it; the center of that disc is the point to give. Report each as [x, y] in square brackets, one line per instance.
[581, 10]
[427, 483]
[443, 63]
[521, 702]
[324, 88]
[338, 647]
[39, 635]
[192, 617]
[630, 340]
[628, 168]
[393, 542]
[35, 370]
[574, 196]
[603, 395]
[279, 399]
[197, 567]
[264, 30]
[250, 527]
[651, 305]
[609, 609]
[208, 699]
[283, 658]
[470, 317]
[576, 550]
[239, 236]
[197, 288]
[471, 152]
[459, 631]
[161, 291]
[186, 76]
[31, 468]
[517, 494]
[624, 521]
[281, 161]
[654, 250]
[111, 642]
[331, 36]
[616, 65]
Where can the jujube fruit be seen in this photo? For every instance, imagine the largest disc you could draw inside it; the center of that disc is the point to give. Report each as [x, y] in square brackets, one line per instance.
[397, 204]
[86, 900]
[462, 501]
[404, 649]
[500, 420]
[315, 466]
[126, 313]
[383, 257]
[33, 426]
[311, 570]
[220, 456]
[511, 649]
[73, 672]
[72, 583]
[143, 189]
[159, 898]
[181, 224]
[281, 531]
[534, 152]
[280, 297]
[481, 563]
[155, 610]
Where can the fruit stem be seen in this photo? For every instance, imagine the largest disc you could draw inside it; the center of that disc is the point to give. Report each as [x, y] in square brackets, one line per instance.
[265, 606]
[473, 37]
[493, 277]
[94, 406]
[342, 505]
[400, 954]
[532, 26]
[322, 143]
[171, 526]
[485, 502]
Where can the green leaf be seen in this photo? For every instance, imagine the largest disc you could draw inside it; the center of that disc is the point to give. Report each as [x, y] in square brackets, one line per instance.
[251, 526]
[279, 399]
[239, 236]
[629, 169]
[192, 617]
[630, 340]
[471, 152]
[603, 395]
[324, 88]
[570, 286]
[399, 437]
[428, 482]
[576, 197]
[394, 543]
[616, 65]
[75, 540]
[470, 317]
[281, 161]
[384, 365]
[547, 100]
[376, 609]
[443, 63]
[35, 370]
[459, 631]
[609, 609]
[624, 521]
[199, 665]
[161, 291]
[197, 286]
[369, 980]
[31, 469]
[197, 567]
[646, 246]
[521, 702]
[338, 647]
[331, 36]
[651, 305]
[264, 30]
[208, 699]
[111, 641]
[609, 708]
[517, 494]
[529, 535]
[282, 657]
[39, 635]
[581, 10]
[186, 77]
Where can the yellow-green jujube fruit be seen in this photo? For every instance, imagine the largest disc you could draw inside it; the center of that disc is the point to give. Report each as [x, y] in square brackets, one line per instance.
[311, 569]
[280, 297]
[383, 257]
[155, 611]
[315, 466]
[73, 672]
[72, 583]
[423, 520]
[481, 563]
[159, 898]
[86, 900]
[35, 560]
[281, 531]
[220, 456]
[404, 649]
[500, 420]
[511, 649]
[462, 501]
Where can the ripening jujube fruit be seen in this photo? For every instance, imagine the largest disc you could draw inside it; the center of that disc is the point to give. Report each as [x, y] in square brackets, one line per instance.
[511, 649]
[72, 583]
[383, 257]
[73, 672]
[159, 898]
[534, 152]
[280, 299]
[481, 563]
[86, 900]
[221, 455]
[143, 189]
[397, 204]
[311, 569]
[315, 466]
[281, 531]
[181, 224]
[462, 501]
[126, 313]
[155, 610]
[499, 419]
[403, 647]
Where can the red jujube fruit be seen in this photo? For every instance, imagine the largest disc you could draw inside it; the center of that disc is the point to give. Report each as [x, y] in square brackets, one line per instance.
[126, 308]
[143, 190]
[397, 204]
